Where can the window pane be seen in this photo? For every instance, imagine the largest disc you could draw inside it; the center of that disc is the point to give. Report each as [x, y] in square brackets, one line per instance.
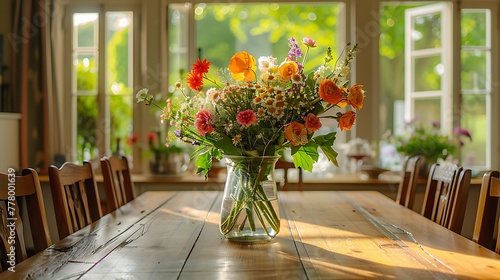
[86, 127]
[178, 48]
[474, 70]
[121, 120]
[428, 73]
[427, 31]
[85, 67]
[474, 27]
[86, 28]
[474, 119]
[428, 110]
[264, 29]
[119, 75]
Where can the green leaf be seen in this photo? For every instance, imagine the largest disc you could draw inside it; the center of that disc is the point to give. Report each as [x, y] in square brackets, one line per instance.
[204, 163]
[325, 143]
[225, 144]
[328, 139]
[305, 156]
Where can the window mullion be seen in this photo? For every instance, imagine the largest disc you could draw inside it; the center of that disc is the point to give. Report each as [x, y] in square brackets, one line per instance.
[103, 121]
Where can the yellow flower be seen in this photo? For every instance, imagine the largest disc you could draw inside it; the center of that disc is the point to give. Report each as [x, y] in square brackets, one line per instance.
[242, 66]
[288, 68]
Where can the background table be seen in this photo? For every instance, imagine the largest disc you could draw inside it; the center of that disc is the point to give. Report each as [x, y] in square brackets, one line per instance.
[324, 235]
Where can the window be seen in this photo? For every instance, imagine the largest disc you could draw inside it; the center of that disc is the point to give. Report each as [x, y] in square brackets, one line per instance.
[102, 44]
[476, 84]
[434, 90]
[428, 68]
[217, 31]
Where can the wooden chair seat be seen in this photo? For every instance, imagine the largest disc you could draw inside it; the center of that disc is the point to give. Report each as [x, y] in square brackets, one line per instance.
[446, 195]
[28, 187]
[486, 217]
[117, 181]
[75, 196]
[408, 183]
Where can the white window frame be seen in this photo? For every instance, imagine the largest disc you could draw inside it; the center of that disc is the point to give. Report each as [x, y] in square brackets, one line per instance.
[450, 93]
[103, 120]
[446, 52]
[492, 89]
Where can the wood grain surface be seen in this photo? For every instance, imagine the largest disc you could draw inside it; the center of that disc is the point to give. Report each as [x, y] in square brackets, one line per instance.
[324, 235]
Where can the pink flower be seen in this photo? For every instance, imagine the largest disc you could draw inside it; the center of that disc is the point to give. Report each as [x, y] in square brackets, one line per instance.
[203, 122]
[246, 118]
[309, 42]
[462, 131]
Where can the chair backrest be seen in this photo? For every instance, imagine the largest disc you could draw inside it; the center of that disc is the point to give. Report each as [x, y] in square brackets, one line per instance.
[117, 181]
[285, 165]
[75, 197]
[408, 183]
[486, 216]
[446, 195]
[11, 189]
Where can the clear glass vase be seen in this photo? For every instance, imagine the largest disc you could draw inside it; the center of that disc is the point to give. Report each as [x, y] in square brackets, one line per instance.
[250, 211]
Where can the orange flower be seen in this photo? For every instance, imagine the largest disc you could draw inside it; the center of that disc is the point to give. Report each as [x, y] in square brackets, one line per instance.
[356, 97]
[288, 68]
[194, 81]
[242, 66]
[312, 123]
[330, 92]
[296, 133]
[346, 121]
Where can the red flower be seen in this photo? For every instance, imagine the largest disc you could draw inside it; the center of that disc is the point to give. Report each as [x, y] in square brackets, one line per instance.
[246, 118]
[152, 138]
[201, 67]
[131, 139]
[194, 81]
[203, 122]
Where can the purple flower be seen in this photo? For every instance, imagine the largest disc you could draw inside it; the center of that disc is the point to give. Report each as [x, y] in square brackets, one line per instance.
[294, 49]
[462, 131]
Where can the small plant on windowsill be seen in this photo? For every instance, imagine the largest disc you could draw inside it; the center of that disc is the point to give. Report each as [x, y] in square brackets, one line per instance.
[166, 159]
[428, 142]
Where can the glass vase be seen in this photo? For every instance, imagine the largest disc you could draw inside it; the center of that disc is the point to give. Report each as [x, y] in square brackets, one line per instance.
[249, 211]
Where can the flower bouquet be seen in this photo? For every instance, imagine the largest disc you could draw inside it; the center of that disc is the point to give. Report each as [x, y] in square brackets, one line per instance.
[254, 116]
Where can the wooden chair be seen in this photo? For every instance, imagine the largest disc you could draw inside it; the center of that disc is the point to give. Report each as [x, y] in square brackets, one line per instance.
[27, 186]
[117, 181]
[75, 197]
[285, 165]
[446, 195]
[408, 183]
[486, 216]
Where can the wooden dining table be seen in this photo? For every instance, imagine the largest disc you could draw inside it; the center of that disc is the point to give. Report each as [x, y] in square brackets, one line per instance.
[323, 235]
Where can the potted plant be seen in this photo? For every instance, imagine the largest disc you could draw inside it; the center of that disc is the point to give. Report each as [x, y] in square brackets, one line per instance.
[428, 142]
